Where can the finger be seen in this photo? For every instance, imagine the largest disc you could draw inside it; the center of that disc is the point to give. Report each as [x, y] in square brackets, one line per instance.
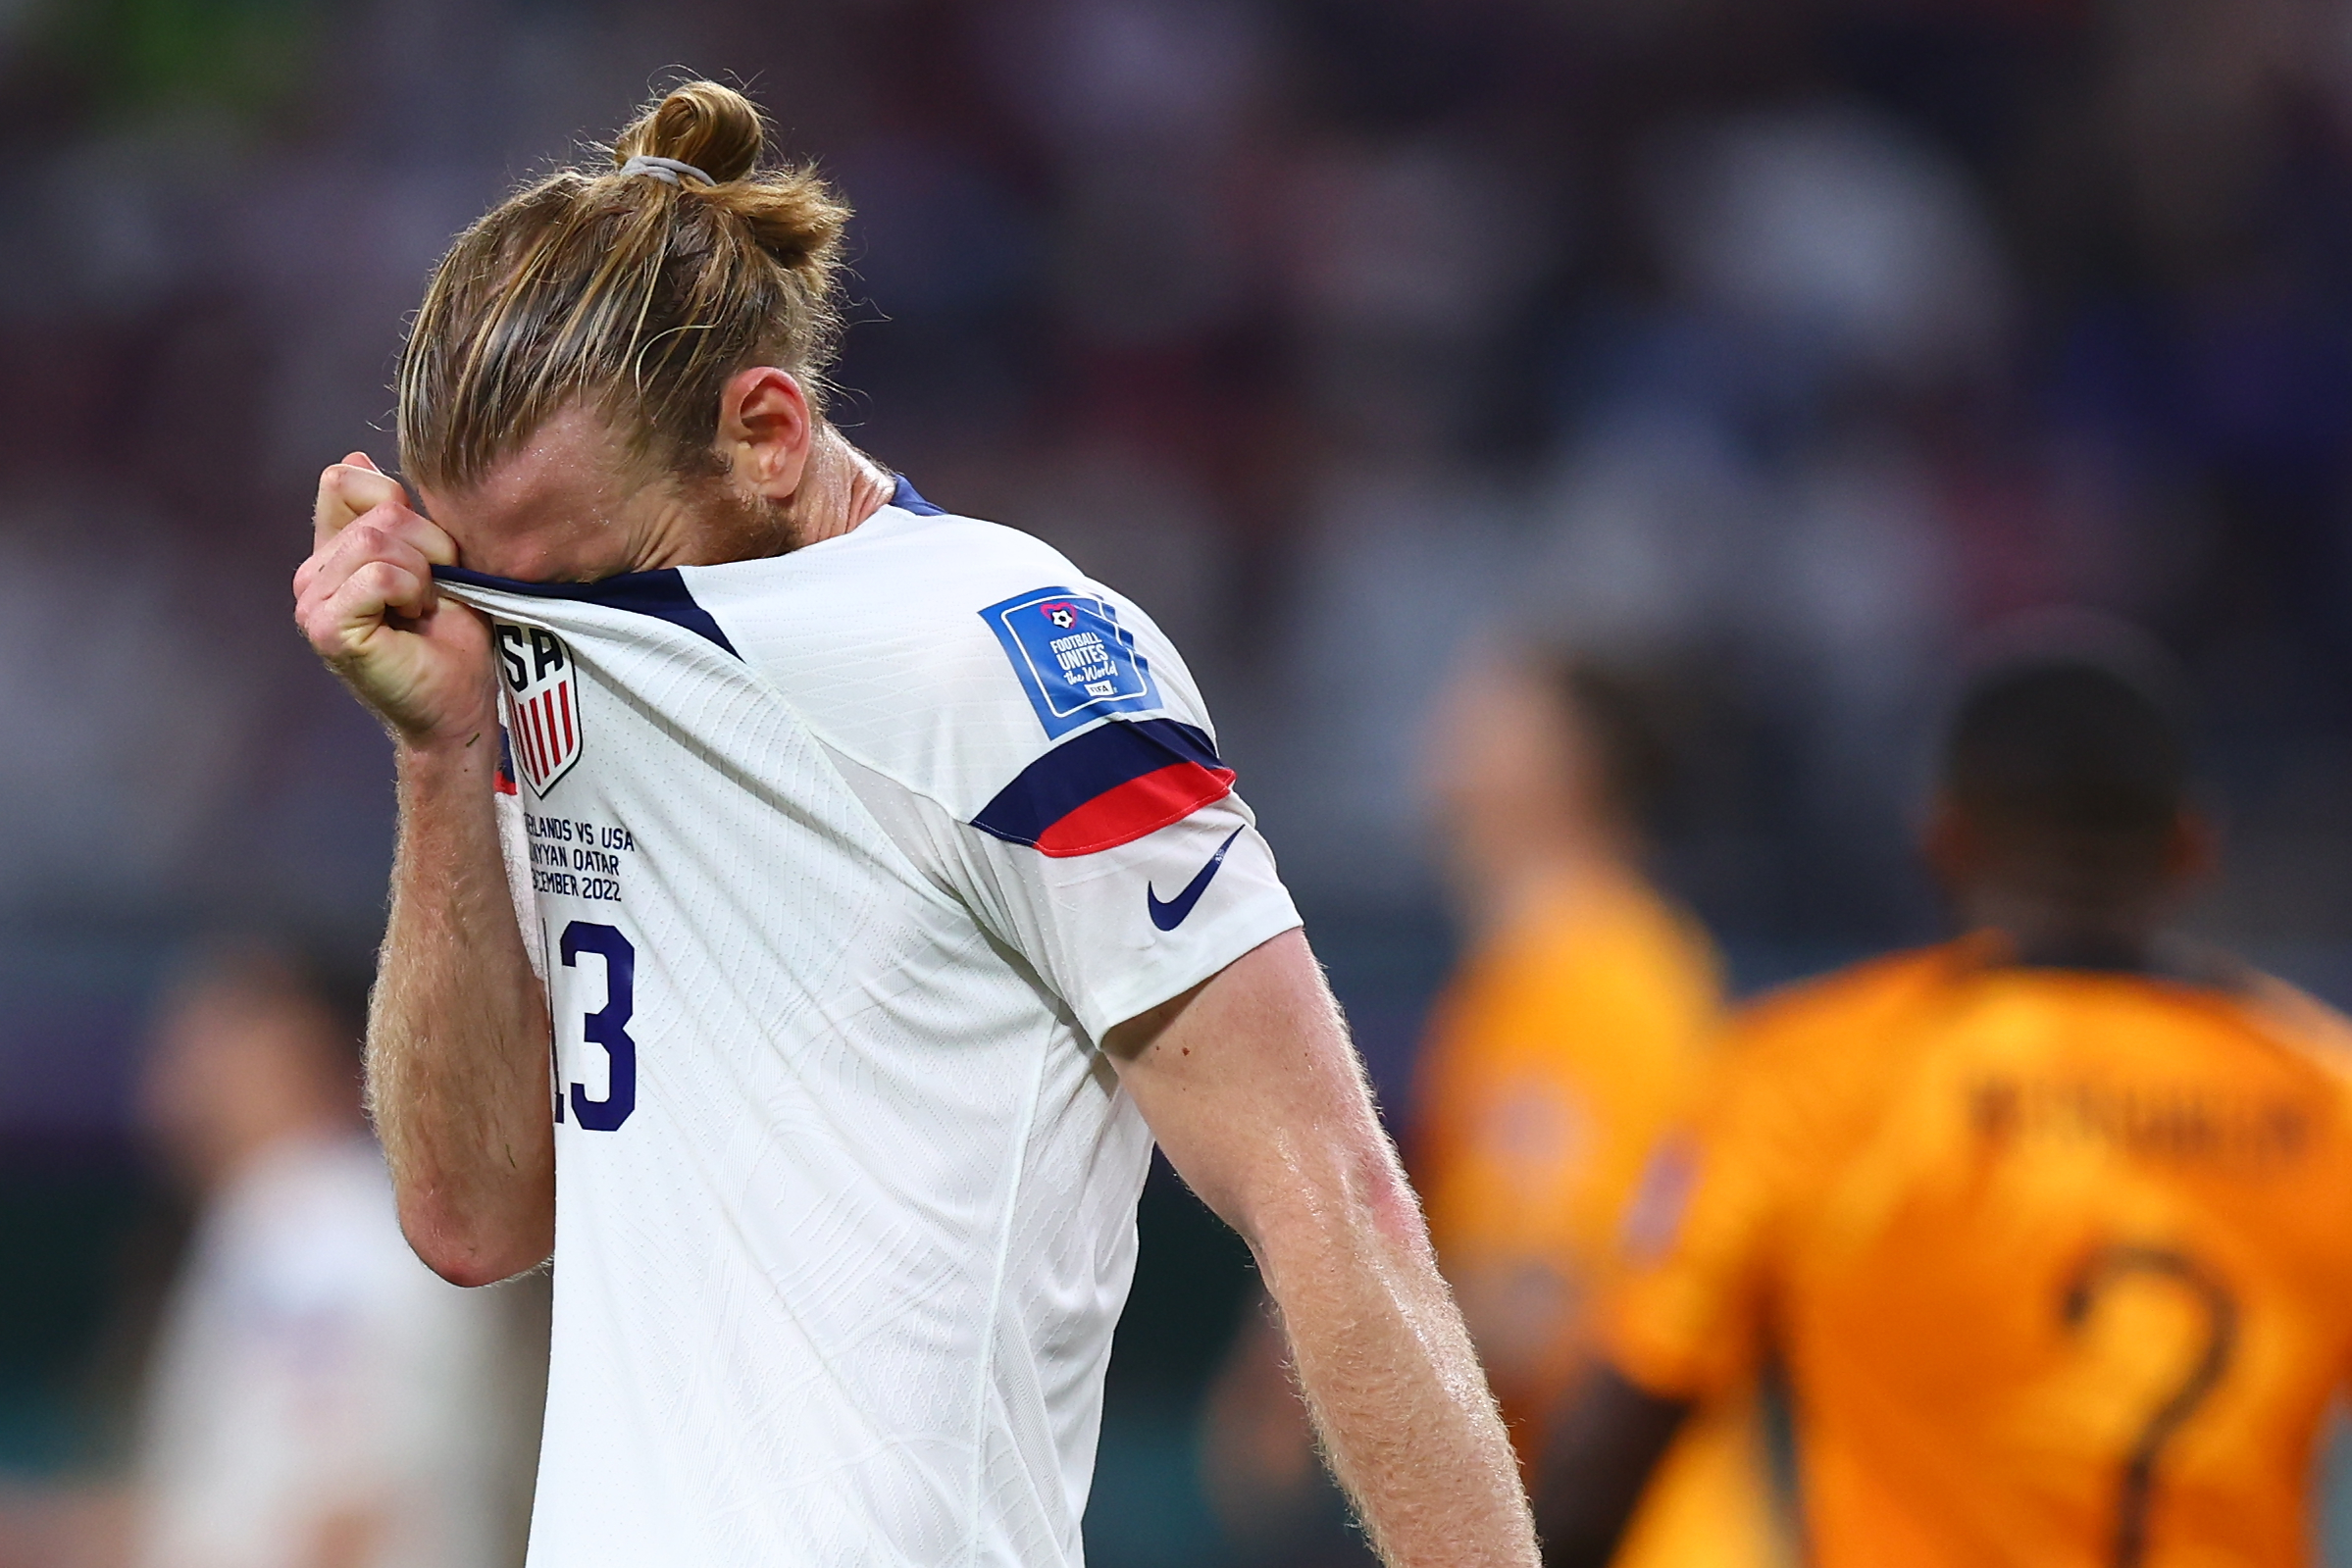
[388, 533]
[432, 540]
[371, 534]
[397, 519]
[356, 548]
[347, 491]
[340, 622]
[395, 587]
[344, 552]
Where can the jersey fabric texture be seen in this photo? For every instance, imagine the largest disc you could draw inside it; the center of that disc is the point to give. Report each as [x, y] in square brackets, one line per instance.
[842, 862]
[1562, 1052]
[2060, 1262]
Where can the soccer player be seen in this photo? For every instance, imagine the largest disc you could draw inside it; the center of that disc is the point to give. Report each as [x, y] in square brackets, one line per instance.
[890, 896]
[2051, 1225]
[1577, 1031]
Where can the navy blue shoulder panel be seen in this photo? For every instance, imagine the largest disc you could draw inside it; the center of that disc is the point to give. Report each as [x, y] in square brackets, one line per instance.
[905, 500]
[1093, 765]
[661, 594]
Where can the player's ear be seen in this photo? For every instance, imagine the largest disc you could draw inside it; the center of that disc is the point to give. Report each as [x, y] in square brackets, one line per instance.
[766, 428]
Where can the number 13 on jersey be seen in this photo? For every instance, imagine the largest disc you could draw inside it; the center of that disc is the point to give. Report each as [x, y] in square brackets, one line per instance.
[597, 1017]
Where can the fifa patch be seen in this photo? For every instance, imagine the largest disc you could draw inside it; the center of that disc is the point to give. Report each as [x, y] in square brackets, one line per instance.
[1074, 659]
[542, 703]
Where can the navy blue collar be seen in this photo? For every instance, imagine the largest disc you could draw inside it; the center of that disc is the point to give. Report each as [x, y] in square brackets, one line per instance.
[662, 594]
[907, 499]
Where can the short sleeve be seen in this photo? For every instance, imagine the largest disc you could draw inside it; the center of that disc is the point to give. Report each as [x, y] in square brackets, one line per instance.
[1686, 1317]
[1074, 799]
[1117, 930]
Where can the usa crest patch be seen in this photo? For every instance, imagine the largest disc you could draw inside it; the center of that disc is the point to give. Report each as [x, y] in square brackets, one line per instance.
[542, 703]
[1075, 660]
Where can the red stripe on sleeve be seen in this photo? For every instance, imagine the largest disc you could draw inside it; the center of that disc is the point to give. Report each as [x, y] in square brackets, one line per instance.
[1140, 806]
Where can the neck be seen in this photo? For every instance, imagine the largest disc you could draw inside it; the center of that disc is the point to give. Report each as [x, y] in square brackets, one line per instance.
[839, 488]
[2046, 934]
[1504, 888]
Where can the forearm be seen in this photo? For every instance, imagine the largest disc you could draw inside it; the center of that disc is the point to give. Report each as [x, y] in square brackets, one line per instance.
[457, 1034]
[1399, 1399]
[1256, 1096]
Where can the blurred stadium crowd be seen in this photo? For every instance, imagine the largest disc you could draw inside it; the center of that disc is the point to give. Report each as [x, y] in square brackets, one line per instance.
[1781, 353]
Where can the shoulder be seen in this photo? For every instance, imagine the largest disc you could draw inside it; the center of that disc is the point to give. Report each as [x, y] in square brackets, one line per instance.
[945, 651]
[1862, 995]
[2298, 1023]
[1623, 953]
[899, 572]
[1829, 1042]
[1666, 950]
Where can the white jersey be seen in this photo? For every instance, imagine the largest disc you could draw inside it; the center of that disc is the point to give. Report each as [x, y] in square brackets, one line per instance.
[842, 862]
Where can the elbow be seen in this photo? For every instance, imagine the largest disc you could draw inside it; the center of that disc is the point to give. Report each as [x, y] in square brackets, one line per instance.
[472, 1270]
[1386, 1199]
[471, 1255]
[1348, 1197]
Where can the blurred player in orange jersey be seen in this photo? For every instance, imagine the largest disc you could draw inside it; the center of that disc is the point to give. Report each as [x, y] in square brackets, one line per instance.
[1575, 1033]
[1577, 1028]
[2051, 1225]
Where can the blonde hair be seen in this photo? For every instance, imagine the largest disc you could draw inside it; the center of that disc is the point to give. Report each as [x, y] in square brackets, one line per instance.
[635, 294]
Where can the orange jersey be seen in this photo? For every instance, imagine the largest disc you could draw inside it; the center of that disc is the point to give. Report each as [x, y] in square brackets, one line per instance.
[2060, 1263]
[1555, 1060]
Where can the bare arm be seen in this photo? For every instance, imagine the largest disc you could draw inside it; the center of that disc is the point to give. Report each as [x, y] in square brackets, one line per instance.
[1255, 1093]
[458, 1031]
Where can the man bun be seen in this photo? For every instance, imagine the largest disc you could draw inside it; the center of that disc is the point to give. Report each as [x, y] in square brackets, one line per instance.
[714, 127]
[638, 291]
[790, 213]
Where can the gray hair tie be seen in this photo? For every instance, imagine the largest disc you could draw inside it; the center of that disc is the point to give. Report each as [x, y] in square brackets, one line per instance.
[664, 169]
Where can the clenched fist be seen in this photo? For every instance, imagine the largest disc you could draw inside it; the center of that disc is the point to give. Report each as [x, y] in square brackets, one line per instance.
[366, 601]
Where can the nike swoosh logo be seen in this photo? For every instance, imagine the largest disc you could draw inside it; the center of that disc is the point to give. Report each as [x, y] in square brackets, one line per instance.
[1170, 915]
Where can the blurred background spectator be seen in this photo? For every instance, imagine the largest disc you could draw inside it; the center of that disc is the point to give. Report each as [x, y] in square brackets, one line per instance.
[295, 1390]
[317, 1398]
[1779, 348]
